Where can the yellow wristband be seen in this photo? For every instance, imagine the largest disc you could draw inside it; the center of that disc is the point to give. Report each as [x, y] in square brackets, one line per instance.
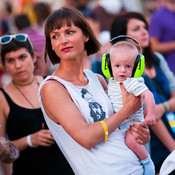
[105, 129]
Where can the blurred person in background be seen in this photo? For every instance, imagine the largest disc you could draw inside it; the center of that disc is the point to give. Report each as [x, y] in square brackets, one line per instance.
[23, 25]
[103, 37]
[106, 12]
[41, 11]
[7, 19]
[162, 31]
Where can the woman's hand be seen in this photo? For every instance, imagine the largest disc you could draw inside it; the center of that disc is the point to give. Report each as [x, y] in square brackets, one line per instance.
[42, 138]
[4, 148]
[130, 102]
[141, 133]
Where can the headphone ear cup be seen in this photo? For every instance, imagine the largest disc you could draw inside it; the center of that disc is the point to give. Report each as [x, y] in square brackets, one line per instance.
[105, 65]
[139, 66]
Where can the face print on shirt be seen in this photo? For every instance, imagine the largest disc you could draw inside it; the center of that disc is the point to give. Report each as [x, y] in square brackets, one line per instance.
[96, 110]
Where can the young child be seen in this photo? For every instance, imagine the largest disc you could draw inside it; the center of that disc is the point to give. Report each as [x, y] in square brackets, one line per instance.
[122, 56]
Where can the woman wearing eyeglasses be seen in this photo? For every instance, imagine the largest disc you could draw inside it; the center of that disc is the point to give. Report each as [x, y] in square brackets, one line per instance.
[20, 114]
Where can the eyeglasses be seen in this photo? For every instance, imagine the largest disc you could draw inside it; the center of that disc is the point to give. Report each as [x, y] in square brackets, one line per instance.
[19, 37]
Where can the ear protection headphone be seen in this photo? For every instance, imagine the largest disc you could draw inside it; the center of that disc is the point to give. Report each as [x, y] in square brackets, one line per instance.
[139, 64]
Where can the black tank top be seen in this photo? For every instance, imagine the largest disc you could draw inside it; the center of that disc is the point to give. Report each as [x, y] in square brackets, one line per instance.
[41, 160]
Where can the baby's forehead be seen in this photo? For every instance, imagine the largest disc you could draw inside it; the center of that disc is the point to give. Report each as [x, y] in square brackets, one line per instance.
[125, 45]
[123, 51]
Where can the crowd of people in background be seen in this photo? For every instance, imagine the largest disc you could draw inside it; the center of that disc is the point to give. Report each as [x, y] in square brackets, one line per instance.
[31, 16]
[107, 19]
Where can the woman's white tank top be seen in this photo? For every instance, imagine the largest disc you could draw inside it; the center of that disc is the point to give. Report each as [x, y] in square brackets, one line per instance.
[107, 157]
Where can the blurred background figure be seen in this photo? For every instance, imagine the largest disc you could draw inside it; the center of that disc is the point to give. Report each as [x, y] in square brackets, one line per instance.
[41, 11]
[23, 25]
[7, 19]
[106, 11]
[162, 31]
[93, 62]
[82, 6]
[149, 6]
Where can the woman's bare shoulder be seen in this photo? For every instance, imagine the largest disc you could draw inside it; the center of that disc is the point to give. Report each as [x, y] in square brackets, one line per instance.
[102, 81]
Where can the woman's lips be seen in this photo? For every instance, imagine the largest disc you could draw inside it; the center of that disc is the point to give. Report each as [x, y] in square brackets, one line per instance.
[66, 49]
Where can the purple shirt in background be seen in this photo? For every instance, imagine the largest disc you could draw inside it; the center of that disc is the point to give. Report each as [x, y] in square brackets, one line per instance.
[38, 40]
[162, 26]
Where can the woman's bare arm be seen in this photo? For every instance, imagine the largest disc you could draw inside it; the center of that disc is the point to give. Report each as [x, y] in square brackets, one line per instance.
[71, 119]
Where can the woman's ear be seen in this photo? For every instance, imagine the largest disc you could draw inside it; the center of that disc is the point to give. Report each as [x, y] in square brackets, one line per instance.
[34, 57]
[86, 39]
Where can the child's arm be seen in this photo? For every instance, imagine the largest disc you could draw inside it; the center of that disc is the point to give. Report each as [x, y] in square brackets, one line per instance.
[150, 118]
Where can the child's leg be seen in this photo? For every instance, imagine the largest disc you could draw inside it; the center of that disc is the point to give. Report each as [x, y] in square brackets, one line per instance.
[138, 149]
[141, 152]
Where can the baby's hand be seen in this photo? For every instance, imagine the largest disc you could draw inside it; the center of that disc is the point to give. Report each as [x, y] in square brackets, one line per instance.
[150, 120]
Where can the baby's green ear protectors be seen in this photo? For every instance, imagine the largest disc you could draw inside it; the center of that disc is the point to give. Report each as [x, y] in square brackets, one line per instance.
[106, 66]
[139, 64]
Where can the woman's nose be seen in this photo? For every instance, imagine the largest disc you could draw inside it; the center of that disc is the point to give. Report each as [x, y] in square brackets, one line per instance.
[145, 31]
[18, 63]
[63, 39]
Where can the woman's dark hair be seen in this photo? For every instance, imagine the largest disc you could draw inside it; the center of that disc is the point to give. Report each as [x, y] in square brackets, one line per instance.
[15, 45]
[68, 15]
[119, 27]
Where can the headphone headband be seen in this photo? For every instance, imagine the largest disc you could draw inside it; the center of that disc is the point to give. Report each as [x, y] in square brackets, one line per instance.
[128, 37]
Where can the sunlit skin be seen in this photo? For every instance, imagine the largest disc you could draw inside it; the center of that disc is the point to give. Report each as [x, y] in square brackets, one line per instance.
[137, 29]
[122, 61]
[19, 65]
[68, 42]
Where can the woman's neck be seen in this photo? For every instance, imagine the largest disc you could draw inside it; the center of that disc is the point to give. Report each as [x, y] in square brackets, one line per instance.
[151, 72]
[24, 83]
[73, 74]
